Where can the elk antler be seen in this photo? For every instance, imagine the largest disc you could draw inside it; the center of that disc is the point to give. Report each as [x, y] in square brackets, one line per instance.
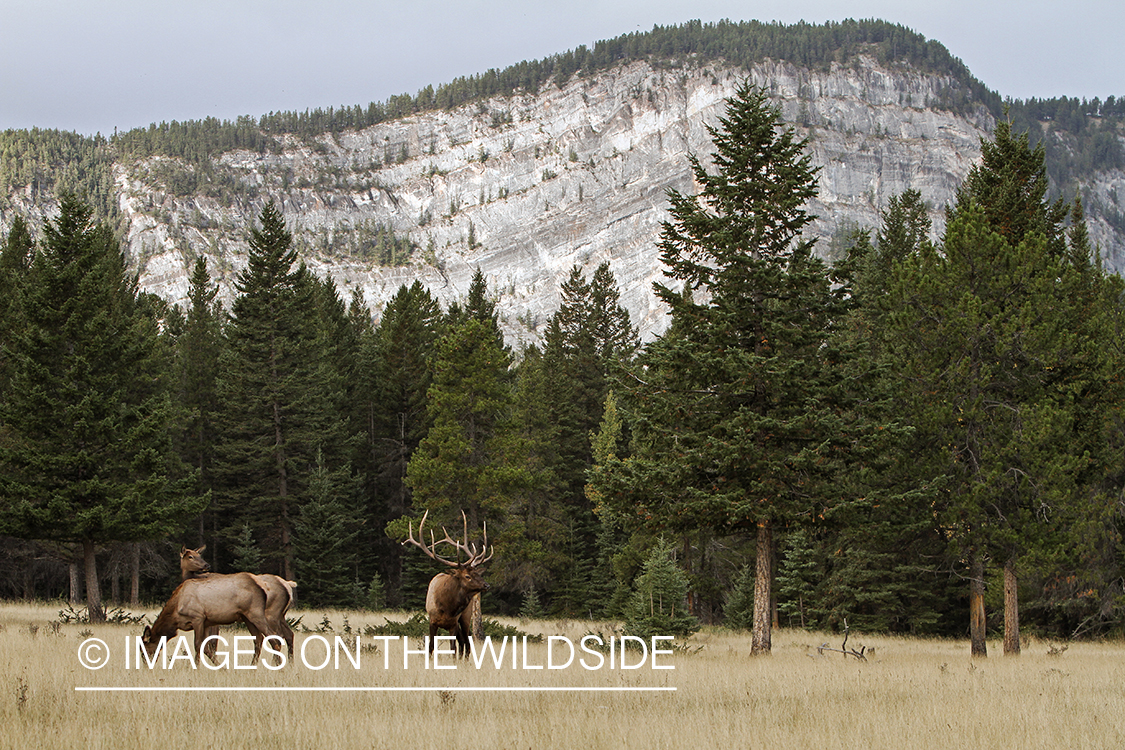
[475, 558]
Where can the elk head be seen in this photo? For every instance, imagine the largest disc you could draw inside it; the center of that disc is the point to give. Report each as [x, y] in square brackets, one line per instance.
[192, 563]
[150, 640]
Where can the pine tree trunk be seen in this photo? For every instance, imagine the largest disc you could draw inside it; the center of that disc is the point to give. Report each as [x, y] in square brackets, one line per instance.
[75, 583]
[93, 591]
[282, 492]
[135, 574]
[976, 605]
[286, 545]
[775, 612]
[1011, 610]
[763, 586]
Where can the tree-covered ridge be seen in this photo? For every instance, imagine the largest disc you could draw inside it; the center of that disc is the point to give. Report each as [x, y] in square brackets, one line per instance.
[738, 43]
[1080, 136]
[50, 162]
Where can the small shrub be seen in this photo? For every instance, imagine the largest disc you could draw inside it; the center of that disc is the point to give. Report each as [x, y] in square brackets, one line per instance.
[376, 594]
[531, 608]
[739, 611]
[658, 605]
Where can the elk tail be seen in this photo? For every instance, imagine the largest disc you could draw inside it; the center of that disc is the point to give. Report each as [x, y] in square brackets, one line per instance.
[289, 586]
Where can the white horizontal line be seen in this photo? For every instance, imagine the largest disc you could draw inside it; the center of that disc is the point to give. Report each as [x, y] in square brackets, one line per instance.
[275, 689]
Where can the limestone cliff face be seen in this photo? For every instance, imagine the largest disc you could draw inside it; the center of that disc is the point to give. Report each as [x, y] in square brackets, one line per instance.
[528, 187]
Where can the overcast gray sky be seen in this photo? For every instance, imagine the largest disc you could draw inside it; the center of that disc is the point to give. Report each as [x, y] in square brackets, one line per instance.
[95, 65]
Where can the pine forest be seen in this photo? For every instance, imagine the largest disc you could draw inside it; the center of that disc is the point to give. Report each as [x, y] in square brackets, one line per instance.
[923, 435]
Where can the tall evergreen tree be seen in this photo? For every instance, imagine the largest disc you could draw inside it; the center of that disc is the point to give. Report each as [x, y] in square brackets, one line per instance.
[587, 339]
[86, 449]
[1010, 313]
[15, 260]
[362, 400]
[535, 524]
[986, 340]
[882, 559]
[731, 411]
[198, 349]
[277, 394]
[455, 467]
[398, 371]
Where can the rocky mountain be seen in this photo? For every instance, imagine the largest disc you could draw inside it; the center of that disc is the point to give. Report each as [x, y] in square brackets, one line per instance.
[528, 186]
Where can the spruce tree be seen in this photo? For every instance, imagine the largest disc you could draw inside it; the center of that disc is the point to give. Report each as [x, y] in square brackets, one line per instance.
[732, 414]
[397, 371]
[534, 531]
[455, 467]
[882, 557]
[87, 455]
[738, 613]
[659, 602]
[246, 556]
[324, 535]
[197, 353]
[15, 260]
[278, 394]
[587, 339]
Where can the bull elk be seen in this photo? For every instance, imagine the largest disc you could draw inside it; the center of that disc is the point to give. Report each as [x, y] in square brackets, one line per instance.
[451, 591]
[198, 604]
[279, 593]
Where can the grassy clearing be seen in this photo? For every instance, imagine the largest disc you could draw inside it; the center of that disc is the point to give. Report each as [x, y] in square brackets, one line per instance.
[909, 694]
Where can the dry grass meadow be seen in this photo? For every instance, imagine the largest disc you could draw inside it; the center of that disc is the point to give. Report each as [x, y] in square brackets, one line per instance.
[909, 694]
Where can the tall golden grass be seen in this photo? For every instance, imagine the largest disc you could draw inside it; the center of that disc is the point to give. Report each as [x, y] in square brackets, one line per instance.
[910, 693]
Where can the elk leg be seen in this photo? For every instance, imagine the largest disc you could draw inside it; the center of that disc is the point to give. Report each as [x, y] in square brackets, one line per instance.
[433, 635]
[257, 633]
[199, 629]
[464, 634]
[287, 634]
[212, 645]
[462, 643]
[259, 627]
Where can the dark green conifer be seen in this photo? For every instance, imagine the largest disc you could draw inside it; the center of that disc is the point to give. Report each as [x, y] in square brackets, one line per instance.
[279, 391]
[87, 454]
[396, 373]
[732, 412]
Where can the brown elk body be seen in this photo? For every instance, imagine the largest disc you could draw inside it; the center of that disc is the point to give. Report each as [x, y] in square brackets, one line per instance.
[200, 603]
[447, 604]
[279, 593]
[451, 592]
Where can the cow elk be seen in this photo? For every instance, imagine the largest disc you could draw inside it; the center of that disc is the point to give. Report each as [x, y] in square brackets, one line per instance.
[279, 593]
[451, 592]
[198, 604]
